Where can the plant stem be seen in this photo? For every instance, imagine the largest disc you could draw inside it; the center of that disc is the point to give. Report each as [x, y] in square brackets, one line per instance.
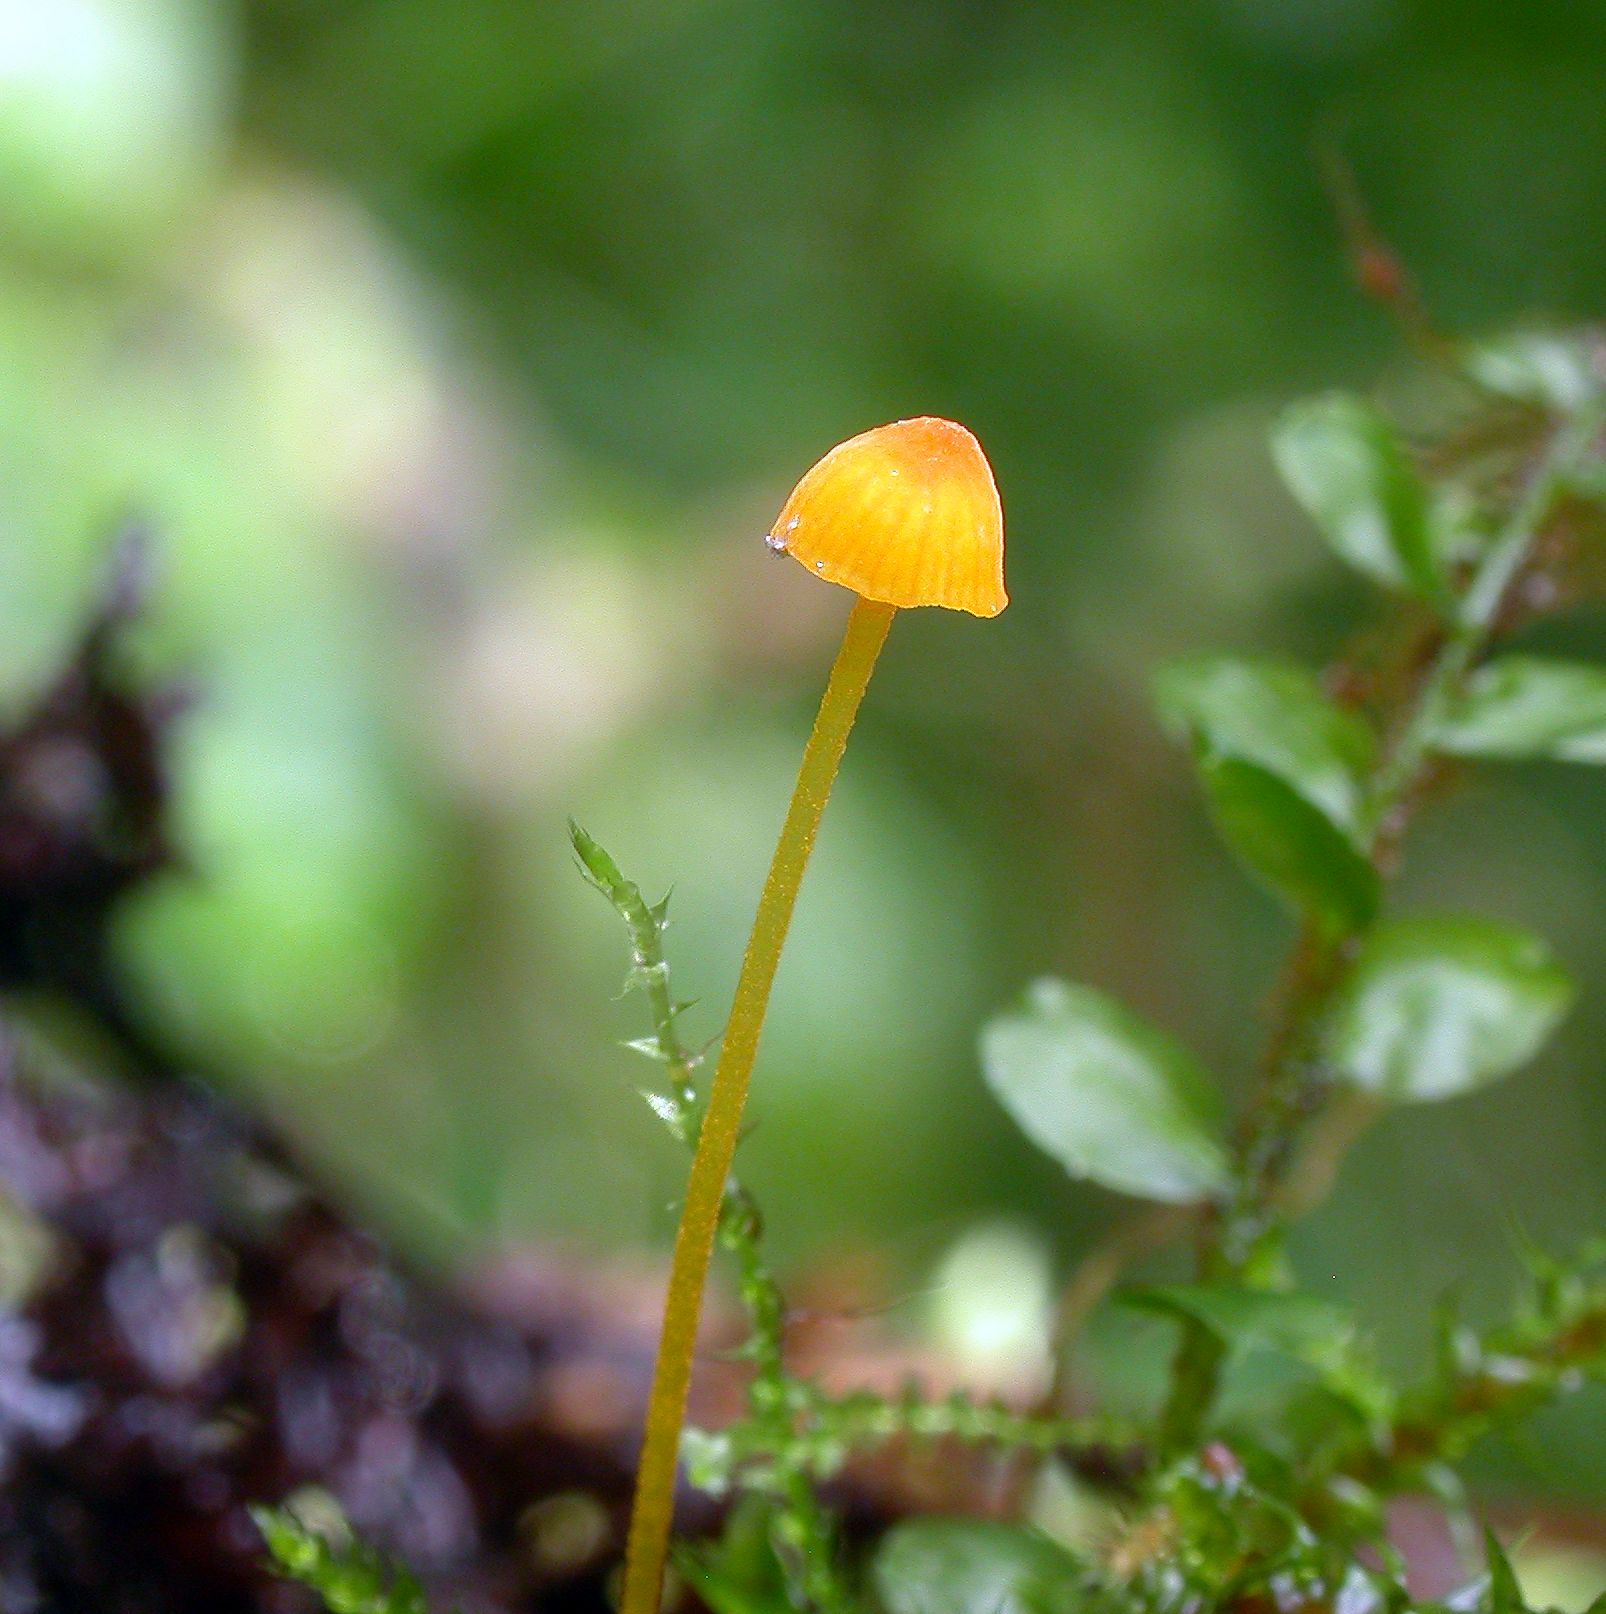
[1479, 609]
[1314, 1169]
[1195, 1375]
[1286, 1091]
[821, 1431]
[1099, 1272]
[650, 1521]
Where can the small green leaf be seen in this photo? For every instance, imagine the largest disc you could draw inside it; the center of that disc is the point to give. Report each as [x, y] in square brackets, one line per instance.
[1537, 367]
[1295, 849]
[295, 1550]
[1505, 1595]
[1277, 716]
[724, 1595]
[650, 1046]
[1304, 1327]
[739, 1573]
[1439, 1005]
[1109, 1096]
[1519, 708]
[1342, 461]
[1282, 766]
[708, 1458]
[974, 1566]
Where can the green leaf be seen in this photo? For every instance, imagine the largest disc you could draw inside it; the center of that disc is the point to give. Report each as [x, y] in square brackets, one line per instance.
[1439, 1005]
[1277, 716]
[1537, 367]
[1304, 1327]
[739, 1573]
[1519, 708]
[974, 1566]
[1295, 849]
[724, 1595]
[1282, 767]
[1109, 1096]
[1505, 1595]
[1342, 461]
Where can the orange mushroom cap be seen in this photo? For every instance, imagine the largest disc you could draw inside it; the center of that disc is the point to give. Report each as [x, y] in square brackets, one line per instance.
[907, 514]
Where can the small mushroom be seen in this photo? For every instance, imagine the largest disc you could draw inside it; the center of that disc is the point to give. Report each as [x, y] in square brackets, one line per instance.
[904, 515]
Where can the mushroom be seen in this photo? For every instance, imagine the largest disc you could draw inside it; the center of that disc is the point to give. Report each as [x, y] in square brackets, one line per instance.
[904, 515]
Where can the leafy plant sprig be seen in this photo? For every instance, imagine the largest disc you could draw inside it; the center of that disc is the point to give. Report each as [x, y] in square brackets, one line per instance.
[1314, 796]
[349, 1576]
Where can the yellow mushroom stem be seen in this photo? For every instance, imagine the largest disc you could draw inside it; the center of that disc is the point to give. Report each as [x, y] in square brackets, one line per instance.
[648, 1546]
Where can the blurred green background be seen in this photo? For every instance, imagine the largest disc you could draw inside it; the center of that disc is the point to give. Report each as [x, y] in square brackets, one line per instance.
[461, 354]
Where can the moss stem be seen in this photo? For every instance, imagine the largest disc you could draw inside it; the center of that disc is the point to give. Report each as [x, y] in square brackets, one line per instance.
[716, 1141]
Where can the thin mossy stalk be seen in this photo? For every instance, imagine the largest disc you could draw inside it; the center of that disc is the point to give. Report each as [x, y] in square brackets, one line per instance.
[802, 1533]
[649, 969]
